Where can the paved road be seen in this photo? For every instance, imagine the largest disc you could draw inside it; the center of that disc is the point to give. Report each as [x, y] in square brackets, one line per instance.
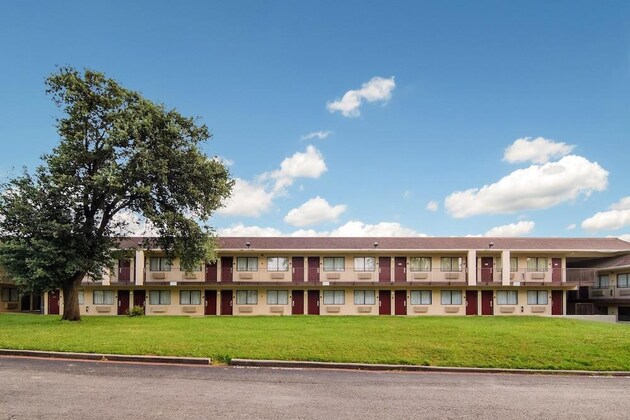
[35, 388]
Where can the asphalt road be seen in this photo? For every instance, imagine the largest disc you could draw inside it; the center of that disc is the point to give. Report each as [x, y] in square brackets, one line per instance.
[36, 388]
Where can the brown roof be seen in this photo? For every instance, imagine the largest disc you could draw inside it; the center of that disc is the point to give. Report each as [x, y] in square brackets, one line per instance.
[603, 263]
[422, 243]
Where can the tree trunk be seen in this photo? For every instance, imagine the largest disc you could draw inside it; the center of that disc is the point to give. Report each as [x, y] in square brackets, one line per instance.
[71, 310]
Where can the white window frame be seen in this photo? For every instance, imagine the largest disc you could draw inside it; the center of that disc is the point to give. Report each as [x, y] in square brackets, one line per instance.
[507, 297]
[334, 297]
[273, 264]
[361, 264]
[247, 297]
[277, 297]
[451, 297]
[421, 297]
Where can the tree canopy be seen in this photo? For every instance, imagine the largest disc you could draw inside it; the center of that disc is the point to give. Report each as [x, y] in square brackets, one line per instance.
[119, 153]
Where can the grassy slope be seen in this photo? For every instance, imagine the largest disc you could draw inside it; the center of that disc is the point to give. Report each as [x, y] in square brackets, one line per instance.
[512, 342]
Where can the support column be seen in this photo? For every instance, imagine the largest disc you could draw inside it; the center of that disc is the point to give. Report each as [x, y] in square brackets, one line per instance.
[471, 267]
[139, 267]
[505, 267]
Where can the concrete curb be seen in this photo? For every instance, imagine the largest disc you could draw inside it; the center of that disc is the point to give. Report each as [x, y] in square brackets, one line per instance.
[107, 357]
[415, 368]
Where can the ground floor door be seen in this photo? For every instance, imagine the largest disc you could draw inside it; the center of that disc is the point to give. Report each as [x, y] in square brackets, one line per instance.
[139, 298]
[623, 313]
[53, 302]
[226, 302]
[297, 299]
[400, 302]
[210, 303]
[471, 302]
[384, 302]
[556, 302]
[123, 302]
[313, 302]
[486, 302]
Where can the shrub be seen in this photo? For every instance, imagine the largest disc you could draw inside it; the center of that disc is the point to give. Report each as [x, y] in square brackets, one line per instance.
[136, 311]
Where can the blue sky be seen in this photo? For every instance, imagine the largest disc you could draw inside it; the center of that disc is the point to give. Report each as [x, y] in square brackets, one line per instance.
[418, 103]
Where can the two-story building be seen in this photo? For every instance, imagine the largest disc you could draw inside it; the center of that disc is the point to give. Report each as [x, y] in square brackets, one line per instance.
[359, 276]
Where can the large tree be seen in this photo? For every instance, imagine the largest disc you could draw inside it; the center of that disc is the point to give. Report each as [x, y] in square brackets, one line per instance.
[119, 154]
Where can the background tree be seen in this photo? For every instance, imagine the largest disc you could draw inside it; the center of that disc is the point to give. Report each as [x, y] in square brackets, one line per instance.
[119, 153]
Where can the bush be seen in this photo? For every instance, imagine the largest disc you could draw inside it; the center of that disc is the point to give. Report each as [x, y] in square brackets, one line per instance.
[136, 311]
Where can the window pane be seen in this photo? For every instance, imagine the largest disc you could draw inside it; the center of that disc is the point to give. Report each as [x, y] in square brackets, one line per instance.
[241, 297]
[370, 264]
[241, 264]
[154, 297]
[283, 297]
[154, 264]
[359, 264]
[513, 264]
[370, 297]
[339, 297]
[252, 264]
[184, 297]
[272, 264]
[445, 264]
[416, 297]
[340, 263]
[502, 297]
[532, 297]
[531, 264]
[622, 280]
[329, 297]
[283, 264]
[542, 264]
[456, 297]
[359, 297]
[81, 297]
[542, 297]
[108, 297]
[446, 297]
[329, 263]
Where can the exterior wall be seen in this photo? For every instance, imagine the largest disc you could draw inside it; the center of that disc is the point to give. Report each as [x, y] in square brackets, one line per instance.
[174, 308]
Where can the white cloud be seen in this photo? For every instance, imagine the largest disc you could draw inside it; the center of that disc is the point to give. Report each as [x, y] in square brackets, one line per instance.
[616, 218]
[242, 230]
[538, 150]
[432, 205]
[247, 199]
[321, 135]
[314, 211]
[513, 229]
[128, 223]
[307, 164]
[571, 226]
[377, 89]
[625, 237]
[535, 187]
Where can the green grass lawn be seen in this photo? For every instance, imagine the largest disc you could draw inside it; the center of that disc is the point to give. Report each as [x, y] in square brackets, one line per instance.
[508, 342]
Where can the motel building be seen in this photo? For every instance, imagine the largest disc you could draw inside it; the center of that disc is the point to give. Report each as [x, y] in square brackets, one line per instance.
[360, 276]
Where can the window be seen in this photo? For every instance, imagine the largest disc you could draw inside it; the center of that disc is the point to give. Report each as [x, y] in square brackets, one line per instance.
[190, 297]
[507, 297]
[451, 297]
[622, 280]
[537, 297]
[160, 297]
[246, 297]
[277, 297]
[513, 264]
[334, 263]
[364, 263]
[9, 294]
[420, 264]
[159, 264]
[421, 297]
[364, 297]
[451, 264]
[103, 297]
[334, 297]
[81, 297]
[247, 264]
[277, 264]
[602, 282]
[537, 264]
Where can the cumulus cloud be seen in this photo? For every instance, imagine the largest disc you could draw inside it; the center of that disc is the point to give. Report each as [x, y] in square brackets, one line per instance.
[535, 187]
[625, 237]
[432, 206]
[616, 218]
[376, 89]
[307, 164]
[242, 230]
[247, 199]
[314, 211]
[321, 135]
[353, 228]
[513, 229]
[538, 150]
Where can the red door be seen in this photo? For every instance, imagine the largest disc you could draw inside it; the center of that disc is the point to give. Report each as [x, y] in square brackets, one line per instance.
[211, 303]
[486, 269]
[384, 302]
[124, 270]
[226, 270]
[53, 302]
[139, 298]
[400, 302]
[297, 299]
[486, 302]
[313, 302]
[298, 270]
[556, 302]
[556, 270]
[211, 272]
[471, 302]
[123, 302]
[313, 271]
[226, 302]
[400, 269]
[385, 269]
